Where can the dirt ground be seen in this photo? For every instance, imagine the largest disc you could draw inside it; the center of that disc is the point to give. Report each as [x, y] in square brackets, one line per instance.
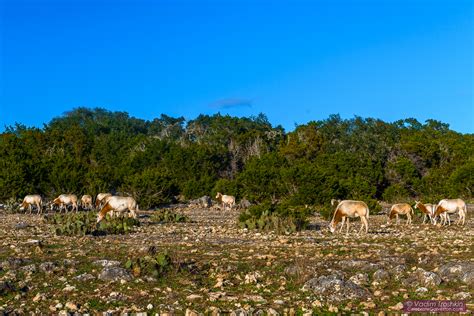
[219, 268]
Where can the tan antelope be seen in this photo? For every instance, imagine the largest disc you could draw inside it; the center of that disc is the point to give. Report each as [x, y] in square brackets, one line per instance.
[118, 204]
[427, 210]
[86, 202]
[400, 209]
[335, 202]
[450, 206]
[350, 209]
[226, 200]
[99, 199]
[64, 200]
[33, 199]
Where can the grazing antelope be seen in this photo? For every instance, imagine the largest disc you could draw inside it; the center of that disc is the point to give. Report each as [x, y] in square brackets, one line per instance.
[350, 209]
[335, 202]
[30, 200]
[400, 209]
[86, 202]
[226, 200]
[118, 204]
[450, 206]
[99, 200]
[427, 210]
[64, 200]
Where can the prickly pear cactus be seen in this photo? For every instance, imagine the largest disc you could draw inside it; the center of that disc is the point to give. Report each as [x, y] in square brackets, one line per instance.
[80, 224]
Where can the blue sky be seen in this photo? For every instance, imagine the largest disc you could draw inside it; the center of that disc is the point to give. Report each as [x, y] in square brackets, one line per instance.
[295, 61]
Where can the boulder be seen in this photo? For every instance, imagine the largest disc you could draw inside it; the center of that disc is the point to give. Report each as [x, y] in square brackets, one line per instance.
[334, 288]
[458, 271]
[381, 276]
[114, 274]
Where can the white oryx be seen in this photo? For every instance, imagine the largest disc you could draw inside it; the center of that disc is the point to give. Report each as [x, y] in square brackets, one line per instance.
[427, 210]
[400, 209]
[350, 209]
[335, 202]
[86, 202]
[118, 204]
[99, 199]
[33, 199]
[64, 200]
[226, 200]
[450, 206]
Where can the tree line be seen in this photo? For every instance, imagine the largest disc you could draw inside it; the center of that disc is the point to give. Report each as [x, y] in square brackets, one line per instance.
[86, 151]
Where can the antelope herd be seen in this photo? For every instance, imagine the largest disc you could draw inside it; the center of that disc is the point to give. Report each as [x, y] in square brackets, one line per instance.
[344, 211]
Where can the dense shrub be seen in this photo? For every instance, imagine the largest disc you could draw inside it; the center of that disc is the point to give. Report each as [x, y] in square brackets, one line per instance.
[94, 150]
[280, 218]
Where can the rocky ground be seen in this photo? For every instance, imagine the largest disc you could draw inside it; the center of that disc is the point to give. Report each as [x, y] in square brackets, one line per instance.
[219, 268]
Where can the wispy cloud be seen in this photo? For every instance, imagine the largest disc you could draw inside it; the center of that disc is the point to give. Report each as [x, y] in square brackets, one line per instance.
[231, 103]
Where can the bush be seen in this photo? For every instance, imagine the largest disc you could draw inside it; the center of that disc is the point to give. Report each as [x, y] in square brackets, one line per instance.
[12, 206]
[85, 224]
[280, 218]
[153, 264]
[168, 216]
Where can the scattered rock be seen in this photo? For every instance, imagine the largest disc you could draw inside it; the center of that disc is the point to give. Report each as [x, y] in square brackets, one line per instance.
[458, 271]
[239, 312]
[398, 271]
[114, 274]
[424, 278]
[69, 263]
[421, 290]
[29, 268]
[116, 296]
[47, 267]
[462, 296]
[71, 306]
[21, 225]
[381, 276]
[214, 296]
[14, 263]
[334, 288]
[255, 298]
[272, 312]
[252, 277]
[397, 307]
[69, 288]
[107, 263]
[39, 297]
[360, 279]
[468, 278]
[84, 277]
[193, 297]
[190, 312]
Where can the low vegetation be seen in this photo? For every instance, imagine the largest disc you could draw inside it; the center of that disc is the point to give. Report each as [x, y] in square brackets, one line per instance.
[154, 264]
[279, 218]
[168, 216]
[84, 223]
